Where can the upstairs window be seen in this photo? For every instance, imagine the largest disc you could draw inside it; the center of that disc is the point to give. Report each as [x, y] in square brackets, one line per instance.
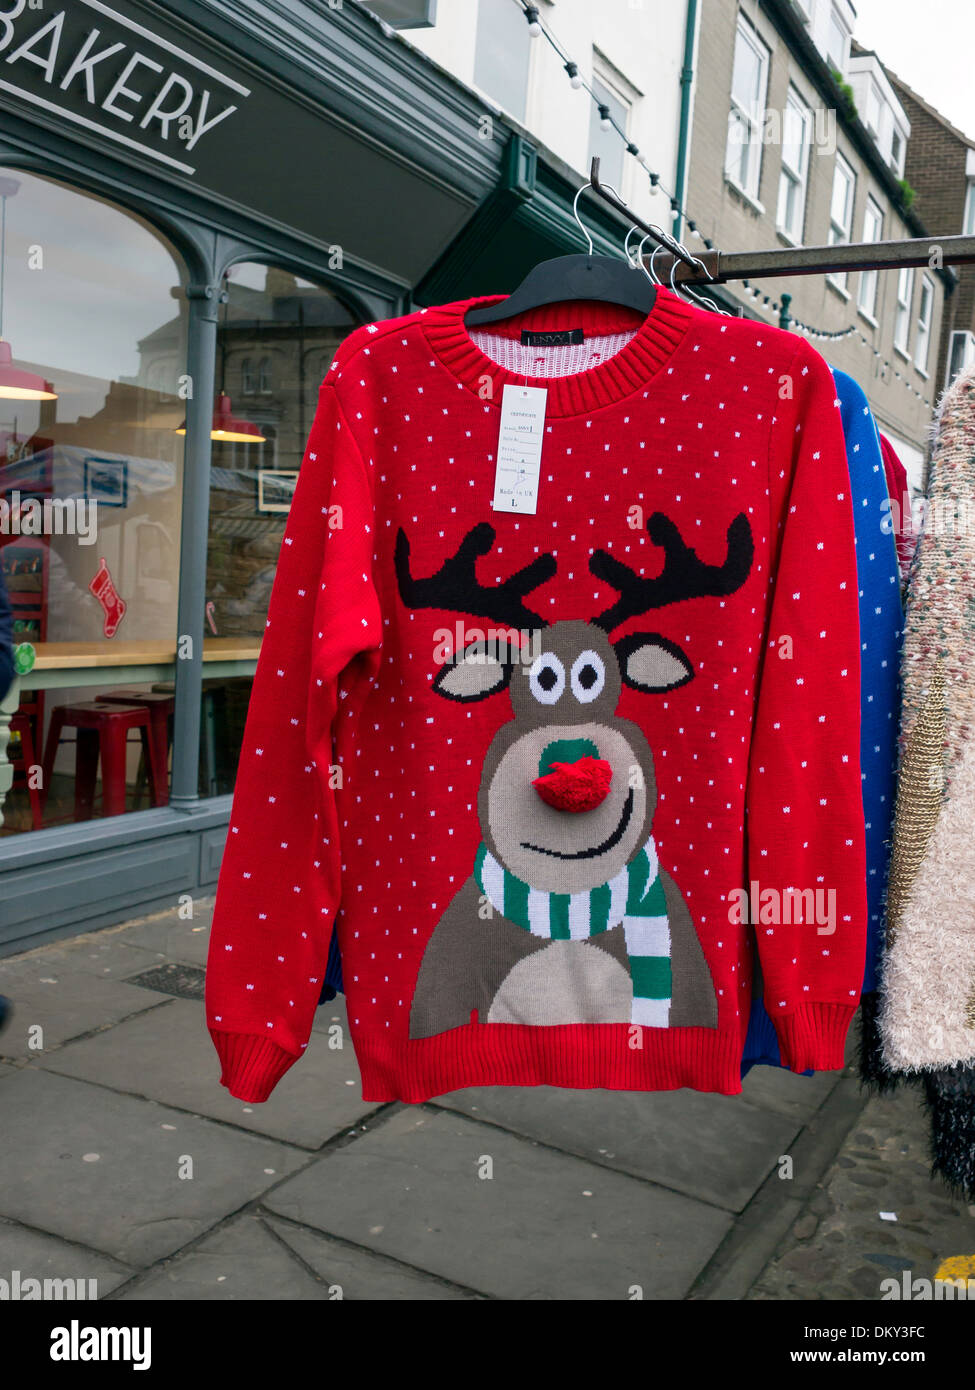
[841, 212]
[796, 123]
[838, 41]
[749, 87]
[607, 143]
[922, 347]
[873, 230]
[902, 320]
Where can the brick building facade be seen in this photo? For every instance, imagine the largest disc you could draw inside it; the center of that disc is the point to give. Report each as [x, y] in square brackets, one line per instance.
[941, 166]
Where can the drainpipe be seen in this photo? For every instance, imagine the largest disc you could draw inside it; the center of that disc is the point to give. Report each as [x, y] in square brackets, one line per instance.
[683, 141]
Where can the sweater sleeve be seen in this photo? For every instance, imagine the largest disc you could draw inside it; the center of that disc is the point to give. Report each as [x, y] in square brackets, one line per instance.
[804, 805]
[279, 885]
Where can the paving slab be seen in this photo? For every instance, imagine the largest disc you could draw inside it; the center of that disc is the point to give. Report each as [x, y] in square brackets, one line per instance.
[545, 1225]
[361, 1274]
[260, 1258]
[104, 953]
[716, 1148]
[36, 1255]
[167, 1056]
[774, 1088]
[176, 939]
[103, 1169]
[63, 1002]
[241, 1261]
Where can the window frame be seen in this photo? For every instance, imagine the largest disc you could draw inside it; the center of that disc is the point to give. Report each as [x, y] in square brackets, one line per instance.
[795, 178]
[922, 344]
[754, 120]
[602, 74]
[870, 279]
[902, 311]
[968, 214]
[968, 354]
[835, 18]
[897, 160]
[840, 235]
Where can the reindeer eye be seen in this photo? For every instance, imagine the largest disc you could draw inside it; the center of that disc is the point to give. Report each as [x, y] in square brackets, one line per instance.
[547, 678]
[588, 677]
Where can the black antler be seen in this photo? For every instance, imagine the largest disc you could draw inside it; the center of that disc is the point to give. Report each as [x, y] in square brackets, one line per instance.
[455, 585]
[683, 575]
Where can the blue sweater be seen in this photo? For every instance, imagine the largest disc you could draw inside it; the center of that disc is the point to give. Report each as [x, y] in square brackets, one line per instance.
[881, 624]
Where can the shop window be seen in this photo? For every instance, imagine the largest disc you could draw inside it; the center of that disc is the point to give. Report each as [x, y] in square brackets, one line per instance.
[288, 328]
[91, 398]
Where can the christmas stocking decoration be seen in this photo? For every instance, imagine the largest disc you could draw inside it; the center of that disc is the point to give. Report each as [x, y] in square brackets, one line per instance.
[113, 605]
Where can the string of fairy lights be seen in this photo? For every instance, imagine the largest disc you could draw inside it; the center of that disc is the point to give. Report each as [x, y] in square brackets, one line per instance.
[537, 28]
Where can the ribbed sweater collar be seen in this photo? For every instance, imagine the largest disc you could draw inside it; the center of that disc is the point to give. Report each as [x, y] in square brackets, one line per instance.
[654, 342]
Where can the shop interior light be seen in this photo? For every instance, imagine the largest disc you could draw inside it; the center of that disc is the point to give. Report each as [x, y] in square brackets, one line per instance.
[228, 428]
[15, 385]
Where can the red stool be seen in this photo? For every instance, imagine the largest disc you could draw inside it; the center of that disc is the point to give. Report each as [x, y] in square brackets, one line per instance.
[22, 725]
[160, 706]
[103, 731]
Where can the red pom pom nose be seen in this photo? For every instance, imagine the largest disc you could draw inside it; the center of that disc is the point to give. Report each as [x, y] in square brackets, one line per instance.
[579, 786]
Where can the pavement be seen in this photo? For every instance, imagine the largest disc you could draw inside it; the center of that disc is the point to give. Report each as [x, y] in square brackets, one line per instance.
[126, 1163]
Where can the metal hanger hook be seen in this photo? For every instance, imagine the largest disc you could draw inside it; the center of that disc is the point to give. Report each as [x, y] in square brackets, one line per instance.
[579, 222]
[634, 262]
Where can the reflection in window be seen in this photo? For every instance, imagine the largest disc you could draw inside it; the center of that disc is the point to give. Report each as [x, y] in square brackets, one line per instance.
[246, 377]
[90, 489]
[284, 331]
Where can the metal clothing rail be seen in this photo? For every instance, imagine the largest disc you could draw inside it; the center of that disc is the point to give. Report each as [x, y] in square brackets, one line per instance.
[719, 267]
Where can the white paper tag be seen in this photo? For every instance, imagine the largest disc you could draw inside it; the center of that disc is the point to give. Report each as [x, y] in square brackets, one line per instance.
[519, 457]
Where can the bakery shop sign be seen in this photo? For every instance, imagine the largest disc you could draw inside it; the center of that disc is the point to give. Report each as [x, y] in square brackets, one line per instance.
[103, 71]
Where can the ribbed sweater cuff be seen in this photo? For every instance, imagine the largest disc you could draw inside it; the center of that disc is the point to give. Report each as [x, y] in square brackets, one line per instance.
[814, 1037]
[252, 1066]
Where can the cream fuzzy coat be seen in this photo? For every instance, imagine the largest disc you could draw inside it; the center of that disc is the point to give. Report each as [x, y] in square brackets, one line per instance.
[928, 1011]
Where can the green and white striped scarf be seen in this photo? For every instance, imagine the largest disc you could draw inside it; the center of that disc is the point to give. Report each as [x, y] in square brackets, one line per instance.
[634, 897]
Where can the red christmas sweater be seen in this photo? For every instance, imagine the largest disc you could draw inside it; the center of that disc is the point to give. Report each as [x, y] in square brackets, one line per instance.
[553, 778]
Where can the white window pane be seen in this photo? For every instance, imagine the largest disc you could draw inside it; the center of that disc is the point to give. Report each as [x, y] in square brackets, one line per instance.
[746, 84]
[969, 225]
[501, 54]
[607, 143]
[793, 137]
[867, 297]
[739, 156]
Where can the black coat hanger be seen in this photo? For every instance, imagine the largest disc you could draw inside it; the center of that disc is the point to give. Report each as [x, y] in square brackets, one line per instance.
[603, 278]
[606, 279]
